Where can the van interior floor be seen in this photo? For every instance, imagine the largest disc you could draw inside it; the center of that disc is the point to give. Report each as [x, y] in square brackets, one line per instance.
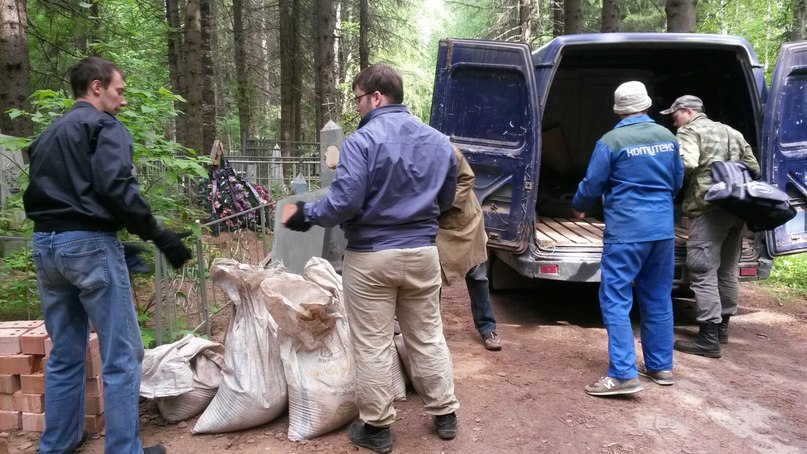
[551, 232]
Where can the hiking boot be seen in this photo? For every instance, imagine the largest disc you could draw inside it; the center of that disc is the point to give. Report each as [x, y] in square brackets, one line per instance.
[492, 341]
[156, 449]
[446, 425]
[609, 386]
[662, 377]
[704, 344]
[378, 442]
[723, 330]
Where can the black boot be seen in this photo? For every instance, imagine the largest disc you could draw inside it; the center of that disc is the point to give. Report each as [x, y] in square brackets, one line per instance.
[723, 330]
[704, 344]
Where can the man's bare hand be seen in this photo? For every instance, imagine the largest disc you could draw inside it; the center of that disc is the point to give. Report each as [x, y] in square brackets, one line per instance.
[579, 214]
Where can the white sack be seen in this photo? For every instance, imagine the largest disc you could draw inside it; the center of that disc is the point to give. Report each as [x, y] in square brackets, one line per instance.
[253, 389]
[182, 377]
[315, 346]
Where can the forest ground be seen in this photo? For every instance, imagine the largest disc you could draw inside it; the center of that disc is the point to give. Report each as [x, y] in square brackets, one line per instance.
[529, 397]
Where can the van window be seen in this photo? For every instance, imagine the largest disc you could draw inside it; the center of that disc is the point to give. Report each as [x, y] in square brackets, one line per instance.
[487, 106]
[792, 114]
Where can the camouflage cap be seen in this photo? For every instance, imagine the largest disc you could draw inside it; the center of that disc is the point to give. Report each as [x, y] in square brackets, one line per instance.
[684, 102]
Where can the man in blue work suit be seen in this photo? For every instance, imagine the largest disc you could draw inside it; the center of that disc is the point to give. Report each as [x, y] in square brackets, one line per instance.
[395, 176]
[636, 171]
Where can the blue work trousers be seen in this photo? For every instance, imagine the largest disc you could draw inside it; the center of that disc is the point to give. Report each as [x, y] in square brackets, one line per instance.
[650, 266]
[82, 277]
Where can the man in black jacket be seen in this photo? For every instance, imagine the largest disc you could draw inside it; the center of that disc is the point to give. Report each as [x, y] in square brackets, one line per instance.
[82, 191]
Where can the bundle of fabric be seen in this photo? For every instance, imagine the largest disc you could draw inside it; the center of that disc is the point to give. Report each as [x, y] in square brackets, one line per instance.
[228, 193]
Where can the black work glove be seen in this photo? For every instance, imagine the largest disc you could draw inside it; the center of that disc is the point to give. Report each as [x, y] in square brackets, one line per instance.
[170, 244]
[297, 221]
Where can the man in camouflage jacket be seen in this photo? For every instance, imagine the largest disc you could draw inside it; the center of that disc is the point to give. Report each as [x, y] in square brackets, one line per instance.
[715, 235]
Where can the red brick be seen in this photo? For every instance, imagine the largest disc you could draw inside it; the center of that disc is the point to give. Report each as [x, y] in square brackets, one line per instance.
[10, 340]
[48, 346]
[26, 324]
[43, 363]
[92, 349]
[7, 402]
[39, 367]
[10, 420]
[18, 364]
[94, 387]
[93, 405]
[94, 366]
[92, 346]
[9, 384]
[33, 384]
[31, 403]
[33, 341]
[94, 423]
[33, 422]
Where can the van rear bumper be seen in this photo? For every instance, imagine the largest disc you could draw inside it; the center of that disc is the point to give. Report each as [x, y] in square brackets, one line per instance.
[577, 266]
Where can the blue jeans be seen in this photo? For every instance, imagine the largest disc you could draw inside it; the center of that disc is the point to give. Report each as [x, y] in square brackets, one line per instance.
[478, 290]
[650, 266]
[82, 277]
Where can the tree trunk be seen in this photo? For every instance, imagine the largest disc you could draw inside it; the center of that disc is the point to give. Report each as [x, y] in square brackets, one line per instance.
[325, 58]
[364, 23]
[245, 91]
[14, 66]
[176, 64]
[289, 73]
[681, 16]
[611, 19]
[525, 19]
[572, 17]
[193, 77]
[208, 110]
[557, 17]
[799, 20]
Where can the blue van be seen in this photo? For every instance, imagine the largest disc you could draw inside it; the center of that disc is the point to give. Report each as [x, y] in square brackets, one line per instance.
[527, 121]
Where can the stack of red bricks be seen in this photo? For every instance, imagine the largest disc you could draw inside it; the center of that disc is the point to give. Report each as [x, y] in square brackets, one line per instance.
[24, 349]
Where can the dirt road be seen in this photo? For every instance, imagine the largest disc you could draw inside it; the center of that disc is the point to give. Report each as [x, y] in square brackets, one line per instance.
[529, 397]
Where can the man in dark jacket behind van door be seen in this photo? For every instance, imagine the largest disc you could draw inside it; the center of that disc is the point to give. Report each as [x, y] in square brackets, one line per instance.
[636, 168]
[715, 236]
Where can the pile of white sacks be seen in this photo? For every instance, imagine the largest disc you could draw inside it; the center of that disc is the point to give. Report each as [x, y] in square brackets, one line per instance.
[287, 347]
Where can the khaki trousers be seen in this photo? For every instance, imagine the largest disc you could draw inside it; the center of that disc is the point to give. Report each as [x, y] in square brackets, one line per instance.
[378, 286]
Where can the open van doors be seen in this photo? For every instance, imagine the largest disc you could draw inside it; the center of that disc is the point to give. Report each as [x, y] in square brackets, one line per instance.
[784, 145]
[485, 100]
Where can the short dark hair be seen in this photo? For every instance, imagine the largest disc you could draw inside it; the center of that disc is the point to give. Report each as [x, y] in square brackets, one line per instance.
[89, 69]
[383, 79]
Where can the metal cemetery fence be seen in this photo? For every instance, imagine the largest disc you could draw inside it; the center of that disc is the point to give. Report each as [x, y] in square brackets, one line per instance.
[186, 300]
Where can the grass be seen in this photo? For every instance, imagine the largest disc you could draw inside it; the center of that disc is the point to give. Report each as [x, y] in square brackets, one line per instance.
[19, 296]
[790, 271]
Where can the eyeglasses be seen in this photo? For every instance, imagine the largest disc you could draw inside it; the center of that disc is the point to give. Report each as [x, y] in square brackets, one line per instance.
[357, 98]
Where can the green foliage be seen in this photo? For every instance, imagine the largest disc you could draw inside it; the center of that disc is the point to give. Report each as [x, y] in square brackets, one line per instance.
[19, 299]
[763, 23]
[790, 271]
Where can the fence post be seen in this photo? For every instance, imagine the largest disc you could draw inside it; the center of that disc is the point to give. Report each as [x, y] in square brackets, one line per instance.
[11, 163]
[276, 171]
[331, 137]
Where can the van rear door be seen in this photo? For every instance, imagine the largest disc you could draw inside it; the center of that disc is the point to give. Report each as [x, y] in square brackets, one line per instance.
[784, 141]
[485, 101]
